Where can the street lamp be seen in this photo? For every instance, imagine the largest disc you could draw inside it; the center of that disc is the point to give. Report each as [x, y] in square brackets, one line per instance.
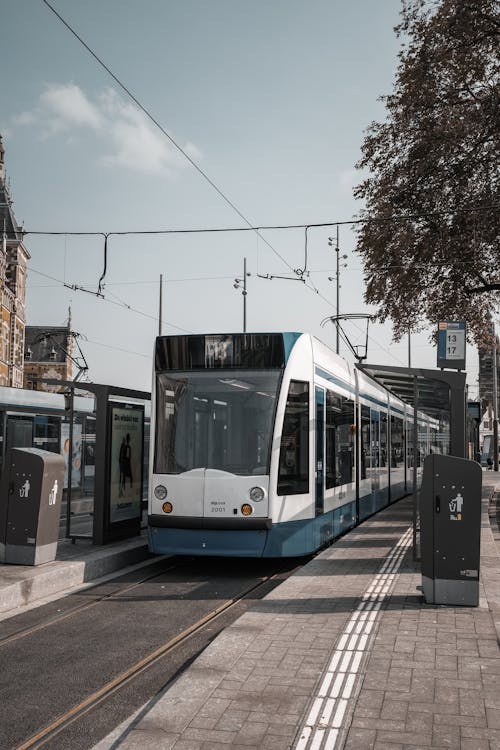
[237, 285]
[337, 277]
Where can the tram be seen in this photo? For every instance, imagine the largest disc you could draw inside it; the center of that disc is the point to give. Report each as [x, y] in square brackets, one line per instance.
[271, 445]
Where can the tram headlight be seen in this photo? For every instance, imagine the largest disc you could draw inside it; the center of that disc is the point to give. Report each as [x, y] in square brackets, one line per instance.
[160, 492]
[167, 507]
[246, 509]
[256, 494]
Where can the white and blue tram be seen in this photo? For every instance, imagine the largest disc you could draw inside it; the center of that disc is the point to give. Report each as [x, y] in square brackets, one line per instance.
[270, 445]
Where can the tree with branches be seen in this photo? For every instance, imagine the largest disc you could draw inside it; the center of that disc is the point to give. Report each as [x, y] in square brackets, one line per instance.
[430, 236]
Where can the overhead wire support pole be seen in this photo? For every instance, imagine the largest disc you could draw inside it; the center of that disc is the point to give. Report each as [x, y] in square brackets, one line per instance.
[337, 250]
[244, 292]
[415, 463]
[244, 295]
[337, 279]
[160, 311]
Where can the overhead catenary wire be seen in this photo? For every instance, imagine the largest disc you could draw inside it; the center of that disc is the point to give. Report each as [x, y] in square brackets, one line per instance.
[300, 273]
[126, 306]
[188, 158]
[160, 127]
[121, 304]
[267, 227]
[117, 348]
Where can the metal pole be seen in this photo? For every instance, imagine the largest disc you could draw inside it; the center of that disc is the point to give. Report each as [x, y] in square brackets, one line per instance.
[70, 460]
[495, 402]
[337, 250]
[160, 312]
[244, 295]
[409, 349]
[415, 459]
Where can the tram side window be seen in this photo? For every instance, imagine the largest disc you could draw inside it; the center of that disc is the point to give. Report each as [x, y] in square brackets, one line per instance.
[397, 446]
[365, 442]
[410, 434]
[375, 439]
[383, 439]
[293, 474]
[339, 440]
[168, 421]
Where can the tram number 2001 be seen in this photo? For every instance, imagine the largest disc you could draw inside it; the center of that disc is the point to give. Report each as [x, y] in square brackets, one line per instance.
[217, 506]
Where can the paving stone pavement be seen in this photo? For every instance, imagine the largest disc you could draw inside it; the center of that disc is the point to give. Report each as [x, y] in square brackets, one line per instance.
[344, 654]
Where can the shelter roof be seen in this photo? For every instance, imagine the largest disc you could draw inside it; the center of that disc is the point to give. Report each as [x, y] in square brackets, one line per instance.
[428, 389]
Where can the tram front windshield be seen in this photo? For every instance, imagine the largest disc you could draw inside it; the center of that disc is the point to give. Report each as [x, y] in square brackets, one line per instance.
[215, 420]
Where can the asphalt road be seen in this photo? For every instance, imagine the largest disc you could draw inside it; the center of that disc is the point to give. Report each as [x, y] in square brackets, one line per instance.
[48, 671]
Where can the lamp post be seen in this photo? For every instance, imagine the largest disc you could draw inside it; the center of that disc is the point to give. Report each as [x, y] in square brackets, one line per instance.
[337, 277]
[237, 285]
[160, 305]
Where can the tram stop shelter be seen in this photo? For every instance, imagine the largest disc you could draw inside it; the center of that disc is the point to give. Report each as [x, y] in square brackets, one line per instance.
[111, 443]
[440, 394]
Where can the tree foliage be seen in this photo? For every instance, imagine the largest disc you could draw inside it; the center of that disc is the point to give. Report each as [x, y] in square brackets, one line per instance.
[430, 242]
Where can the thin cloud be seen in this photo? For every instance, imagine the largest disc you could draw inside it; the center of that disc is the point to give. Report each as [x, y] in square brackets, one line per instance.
[129, 140]
[67, 106]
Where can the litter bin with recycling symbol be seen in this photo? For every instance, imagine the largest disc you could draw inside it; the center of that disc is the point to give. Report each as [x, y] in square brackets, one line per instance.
[30, 506]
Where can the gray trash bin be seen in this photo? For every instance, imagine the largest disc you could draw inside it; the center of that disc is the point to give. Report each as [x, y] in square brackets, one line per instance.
[30, 506]
[450, 530]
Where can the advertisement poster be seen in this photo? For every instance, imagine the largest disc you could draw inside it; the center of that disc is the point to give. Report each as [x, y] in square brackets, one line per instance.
[125, 484]
[76, 466]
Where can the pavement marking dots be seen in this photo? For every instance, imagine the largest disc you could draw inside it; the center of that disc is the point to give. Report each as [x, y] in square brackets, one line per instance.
[324, 722]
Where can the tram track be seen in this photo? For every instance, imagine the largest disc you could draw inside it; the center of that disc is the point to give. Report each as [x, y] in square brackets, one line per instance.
[79, 608]
[84, 708]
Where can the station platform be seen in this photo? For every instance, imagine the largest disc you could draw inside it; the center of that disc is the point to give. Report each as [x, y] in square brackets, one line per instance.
[75, 565]
[344, 654]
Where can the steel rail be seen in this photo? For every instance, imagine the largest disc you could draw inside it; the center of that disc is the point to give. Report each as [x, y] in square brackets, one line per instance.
[46, 734]
[81, 607]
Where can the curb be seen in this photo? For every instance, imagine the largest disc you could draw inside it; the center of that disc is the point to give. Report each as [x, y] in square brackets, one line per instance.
[22, 584]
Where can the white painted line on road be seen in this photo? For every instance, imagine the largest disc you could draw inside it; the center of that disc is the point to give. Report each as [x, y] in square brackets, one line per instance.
[331, 704]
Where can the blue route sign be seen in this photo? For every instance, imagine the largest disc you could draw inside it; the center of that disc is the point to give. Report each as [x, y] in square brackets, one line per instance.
[451, 345]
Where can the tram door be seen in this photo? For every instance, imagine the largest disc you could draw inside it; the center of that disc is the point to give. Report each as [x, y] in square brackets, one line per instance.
[320, 450]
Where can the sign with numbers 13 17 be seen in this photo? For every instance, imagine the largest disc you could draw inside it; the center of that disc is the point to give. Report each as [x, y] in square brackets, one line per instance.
[451, 345]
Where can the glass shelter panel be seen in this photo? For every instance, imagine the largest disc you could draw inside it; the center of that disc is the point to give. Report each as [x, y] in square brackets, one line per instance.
[81, 508]
[46, 433]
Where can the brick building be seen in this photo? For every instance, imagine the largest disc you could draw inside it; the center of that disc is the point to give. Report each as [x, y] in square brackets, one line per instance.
[14, 258]
[48, 353]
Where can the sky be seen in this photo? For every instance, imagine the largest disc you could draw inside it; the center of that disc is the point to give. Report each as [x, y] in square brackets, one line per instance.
[262, 107]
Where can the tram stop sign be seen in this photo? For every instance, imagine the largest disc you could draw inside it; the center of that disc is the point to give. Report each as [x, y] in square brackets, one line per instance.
[451, 345]
[450, 530]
